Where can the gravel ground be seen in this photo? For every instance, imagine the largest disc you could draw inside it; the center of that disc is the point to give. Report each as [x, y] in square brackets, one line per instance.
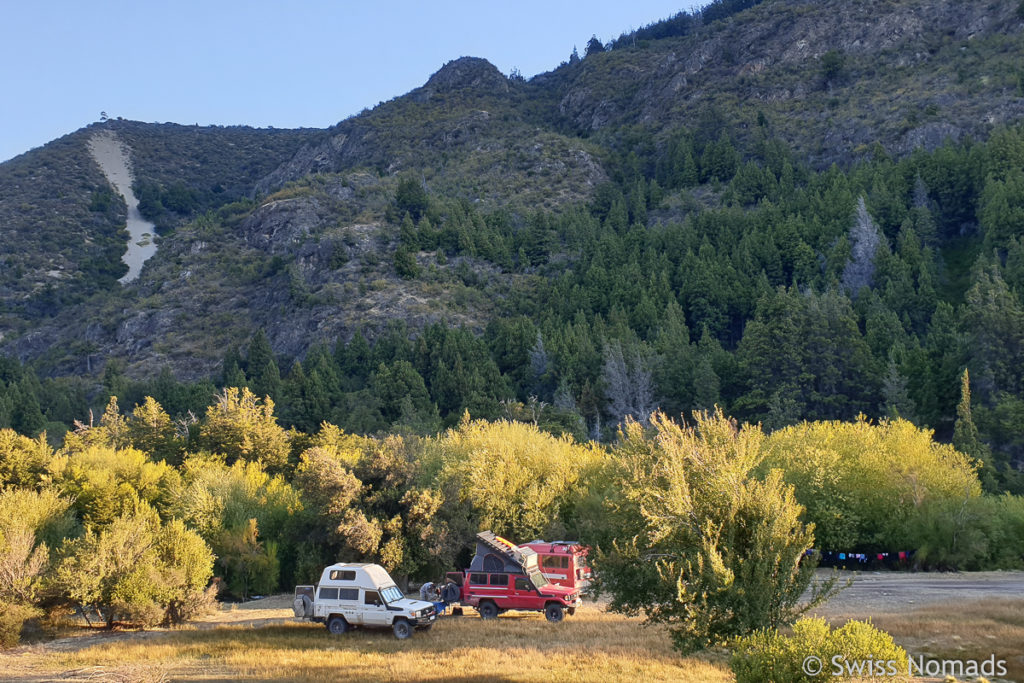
[873, 593]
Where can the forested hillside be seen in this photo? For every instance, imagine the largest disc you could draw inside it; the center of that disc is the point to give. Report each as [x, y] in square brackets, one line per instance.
[779, 208]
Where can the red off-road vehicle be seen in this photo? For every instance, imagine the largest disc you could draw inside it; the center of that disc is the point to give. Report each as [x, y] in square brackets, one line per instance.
[504, 576]
[563, 562]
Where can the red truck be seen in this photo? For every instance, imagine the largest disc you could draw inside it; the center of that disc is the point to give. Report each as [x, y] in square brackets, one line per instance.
[504, 576]
[563, 562]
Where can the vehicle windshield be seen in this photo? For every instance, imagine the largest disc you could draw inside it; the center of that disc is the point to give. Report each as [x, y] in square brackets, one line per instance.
[538, 578]
[534, 572]
[391, 594]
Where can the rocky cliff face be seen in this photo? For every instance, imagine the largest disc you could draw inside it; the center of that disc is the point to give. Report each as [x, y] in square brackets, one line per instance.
[907, 74]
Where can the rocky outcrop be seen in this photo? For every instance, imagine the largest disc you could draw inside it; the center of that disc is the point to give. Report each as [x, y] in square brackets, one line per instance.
[772, 54]
[468, 73]
[278, 227]
[348, 145]
[370, 141]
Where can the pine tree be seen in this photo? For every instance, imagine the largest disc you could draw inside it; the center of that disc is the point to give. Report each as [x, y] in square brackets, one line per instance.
[26, 416]
[114, 379]
[628, 384]
[966, 438]
[898, 403]
[706, 386]
[405, 263]
[151, 431]
[411, 198]
[262, 368]
[673, 373]
[231, 374]
[994, 319]
[407, 235]
[354, 361]
[398, 383]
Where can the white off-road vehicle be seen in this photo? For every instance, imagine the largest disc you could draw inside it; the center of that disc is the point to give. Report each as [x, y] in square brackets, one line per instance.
[351, 595]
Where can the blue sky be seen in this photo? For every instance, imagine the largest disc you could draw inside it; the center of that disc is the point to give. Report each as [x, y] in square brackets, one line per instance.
[260, 63]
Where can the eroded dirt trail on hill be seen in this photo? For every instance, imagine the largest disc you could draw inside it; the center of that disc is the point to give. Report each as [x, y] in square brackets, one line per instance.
[113, 158]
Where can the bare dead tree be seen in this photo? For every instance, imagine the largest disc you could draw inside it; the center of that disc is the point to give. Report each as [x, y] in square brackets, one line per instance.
[629, 386]
[865, 240]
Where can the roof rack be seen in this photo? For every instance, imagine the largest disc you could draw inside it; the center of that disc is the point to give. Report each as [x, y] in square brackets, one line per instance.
[519, 554]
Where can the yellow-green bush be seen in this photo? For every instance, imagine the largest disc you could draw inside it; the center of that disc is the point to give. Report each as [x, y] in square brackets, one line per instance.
[135, 569]
[105, 482]
[518, 481]
[22, 460]
[241, 426]
[815, 651]
[695, 540]
[862, 483]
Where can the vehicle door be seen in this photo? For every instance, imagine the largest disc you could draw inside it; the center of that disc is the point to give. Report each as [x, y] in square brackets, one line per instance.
[525, 593]
[374, 611]
[476, 589]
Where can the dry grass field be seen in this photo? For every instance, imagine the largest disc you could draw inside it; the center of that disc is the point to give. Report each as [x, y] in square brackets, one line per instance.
[259, 640]
[962, 631]
[590, 646]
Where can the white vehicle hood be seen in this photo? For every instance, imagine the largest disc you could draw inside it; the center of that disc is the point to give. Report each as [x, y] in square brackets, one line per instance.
[410, 604]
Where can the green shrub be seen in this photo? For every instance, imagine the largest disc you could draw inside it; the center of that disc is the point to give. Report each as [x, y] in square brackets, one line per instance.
[832, 64]
[251, 566]
[857, 649]
[12, 618]
[136, 570]
[697, 542]
[986, 532]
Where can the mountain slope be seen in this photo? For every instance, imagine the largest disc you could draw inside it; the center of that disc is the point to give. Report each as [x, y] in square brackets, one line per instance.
[62, 224]
[310, 248]
[468, 132]
[905, 74]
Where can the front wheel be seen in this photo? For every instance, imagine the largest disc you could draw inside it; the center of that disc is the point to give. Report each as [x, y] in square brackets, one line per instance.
[402, 629]
[487, 610]
[553, 612]
[337, 625]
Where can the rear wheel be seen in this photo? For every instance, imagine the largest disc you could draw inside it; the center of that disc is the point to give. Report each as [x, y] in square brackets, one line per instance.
[337, 625]
[553, 612]
[487, 610]
[402, 629]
